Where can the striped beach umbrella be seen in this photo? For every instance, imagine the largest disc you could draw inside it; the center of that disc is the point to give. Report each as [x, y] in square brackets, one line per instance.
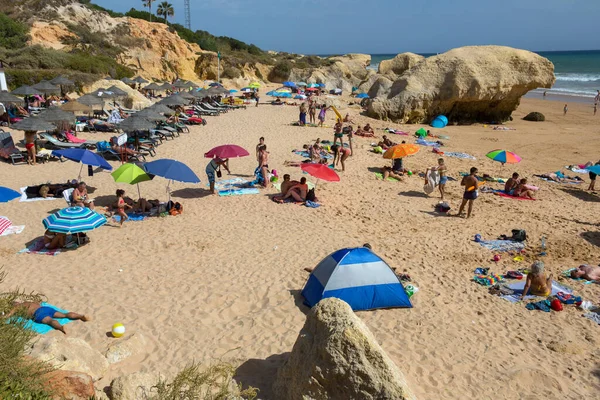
[74, 220]
[503, 156]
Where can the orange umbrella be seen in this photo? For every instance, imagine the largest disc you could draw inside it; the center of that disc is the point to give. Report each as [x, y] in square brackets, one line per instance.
[401, 150]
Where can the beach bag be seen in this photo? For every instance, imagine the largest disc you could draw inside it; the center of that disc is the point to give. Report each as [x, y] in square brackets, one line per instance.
[176, 209]
[219, 174]
[519, 235]
[310, 195]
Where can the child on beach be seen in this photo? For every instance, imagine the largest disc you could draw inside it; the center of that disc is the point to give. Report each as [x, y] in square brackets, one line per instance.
[322, 115]
[121, 206]
[442, 170]
[537, 281]
[565, 109]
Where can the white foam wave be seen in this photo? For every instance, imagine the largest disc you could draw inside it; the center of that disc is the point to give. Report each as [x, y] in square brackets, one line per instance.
[578, 77]
[566, 92]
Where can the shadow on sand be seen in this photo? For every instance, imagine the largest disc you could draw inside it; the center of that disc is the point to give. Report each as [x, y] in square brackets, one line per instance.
[582, 195]
[299, 301]
[191, 193]
[413, 193]
[592, 237]
[260, 373]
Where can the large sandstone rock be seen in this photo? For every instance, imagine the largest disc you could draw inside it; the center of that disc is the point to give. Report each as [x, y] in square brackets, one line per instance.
[380, 87]
[139, 101]
[337, 357]
[125, 347]
[137, 386]
[399, 64]
[70, 385]
[468, 84]
[70, 354]
[346, 72]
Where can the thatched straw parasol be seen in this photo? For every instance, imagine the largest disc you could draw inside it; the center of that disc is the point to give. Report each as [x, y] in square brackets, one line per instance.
[161, 108]
[152, 86]
[55, 114]
[150, 115]
[33, 124]
[6, 97]
[46, 87]
[135, 123]
[26, 91]
[62, 81]
[174, 100]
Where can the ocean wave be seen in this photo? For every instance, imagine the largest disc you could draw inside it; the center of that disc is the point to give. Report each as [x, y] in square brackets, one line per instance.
[578, 77]
[566, 92]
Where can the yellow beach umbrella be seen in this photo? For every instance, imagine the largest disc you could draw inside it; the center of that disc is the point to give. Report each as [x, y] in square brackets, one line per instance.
[401, 150]
[254, 85]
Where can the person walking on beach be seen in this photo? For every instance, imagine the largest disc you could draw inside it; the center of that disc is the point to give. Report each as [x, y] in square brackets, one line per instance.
[471, 185]
[443, 171]
[261, 142]
[565, 109]
[595, 108]
[257, 97]
[44, 314]
[121, 206]
[545, 95]
[303, 110]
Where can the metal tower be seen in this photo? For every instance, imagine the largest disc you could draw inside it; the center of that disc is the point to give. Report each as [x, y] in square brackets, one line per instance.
[188, 18]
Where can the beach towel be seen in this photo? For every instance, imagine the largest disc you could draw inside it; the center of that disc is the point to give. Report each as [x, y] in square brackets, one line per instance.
[306, 155]
[24, 196]
[424, 142]
[576, 169]
[593, 316]
[567, 274]
[463, 156]
[42, 329]
[38, 247]
[4, 224]
[311, 204]
[13, 230]
[133, 217]
[433, 180]
[518, 287]
[487, 280]
[238, 192]
[502, 245]
[379, 176]
[508, 196]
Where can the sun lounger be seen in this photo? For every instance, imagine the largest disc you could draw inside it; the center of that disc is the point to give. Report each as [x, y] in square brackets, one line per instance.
[68, 196]
[8, 151]
[162, 133]
[202, 111]
[74, 139]
[53, 142]
[208, 107]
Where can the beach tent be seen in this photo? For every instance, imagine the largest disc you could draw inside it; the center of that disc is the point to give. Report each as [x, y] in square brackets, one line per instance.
[421, 133]
[359, 277]
[439, 122]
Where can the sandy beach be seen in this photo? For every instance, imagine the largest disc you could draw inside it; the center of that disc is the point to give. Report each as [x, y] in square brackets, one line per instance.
[222, 281]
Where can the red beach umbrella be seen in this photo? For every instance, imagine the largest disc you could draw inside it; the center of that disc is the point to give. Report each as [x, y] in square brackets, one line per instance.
[320, 171]
[227, 151]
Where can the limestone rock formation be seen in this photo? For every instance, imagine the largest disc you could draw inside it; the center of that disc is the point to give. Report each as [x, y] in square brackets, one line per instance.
[467, 84]
[380, 87]
[399, 64]
[70, 354]
[70, 385]
[125, 347]
[337, 357]
[139, 101]
[346, 72]
[535, 117]
[136, 386]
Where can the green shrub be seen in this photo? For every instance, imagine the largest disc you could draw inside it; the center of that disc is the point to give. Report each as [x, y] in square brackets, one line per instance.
[194, 383]
[18, 375]
[13, 34]
[231, 73]
[258, 74]
[280, 72]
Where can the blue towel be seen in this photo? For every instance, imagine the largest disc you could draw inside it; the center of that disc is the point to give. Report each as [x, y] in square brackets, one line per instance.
[132, 217]
[502, 245]
[424, 142]
[238, 192]
[305, 154]
[312, 204]
[42, 329]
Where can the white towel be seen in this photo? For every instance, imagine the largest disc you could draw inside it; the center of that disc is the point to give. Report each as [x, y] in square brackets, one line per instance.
[433, 179]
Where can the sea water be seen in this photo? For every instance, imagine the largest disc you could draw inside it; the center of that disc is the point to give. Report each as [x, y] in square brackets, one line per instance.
[577, 72]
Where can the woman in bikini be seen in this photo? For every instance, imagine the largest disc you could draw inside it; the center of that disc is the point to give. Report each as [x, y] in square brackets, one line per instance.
[537, 281]
[30, 146]
[340, 155]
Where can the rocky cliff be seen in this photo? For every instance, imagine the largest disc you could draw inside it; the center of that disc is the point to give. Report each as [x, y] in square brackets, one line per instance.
[344, 73]
[467, 84]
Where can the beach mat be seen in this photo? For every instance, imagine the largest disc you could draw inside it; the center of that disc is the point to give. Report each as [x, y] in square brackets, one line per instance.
[379, 176]
[134, 217]
[24, 196]
[562, 183]
[518, 287]
[593, 316]
[37, 247]
[455, 154]
[13, 230]
[424, 142]
[502, 245]
[306, 155]
[42, 329]
[238, 192]
[233, 183]
[508, 196]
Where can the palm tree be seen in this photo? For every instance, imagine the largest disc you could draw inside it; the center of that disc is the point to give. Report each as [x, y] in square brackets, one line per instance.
[165, 9]
[148, 3]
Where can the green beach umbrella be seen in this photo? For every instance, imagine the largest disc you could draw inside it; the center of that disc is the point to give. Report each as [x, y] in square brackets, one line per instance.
[131, 174]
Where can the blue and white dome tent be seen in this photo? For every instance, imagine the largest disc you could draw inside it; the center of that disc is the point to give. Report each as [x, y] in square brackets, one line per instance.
[359, 277]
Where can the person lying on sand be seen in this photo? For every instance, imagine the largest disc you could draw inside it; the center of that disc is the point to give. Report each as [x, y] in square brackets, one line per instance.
[537, 281]
[361, 132]
[522, 191]
[367, 128]
[388, 172]
[511, 184]
[587, 272]
[348, 119]
[559, 178]
[44, 314]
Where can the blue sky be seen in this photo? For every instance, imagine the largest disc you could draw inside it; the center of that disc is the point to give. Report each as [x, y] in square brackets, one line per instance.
[393, 26]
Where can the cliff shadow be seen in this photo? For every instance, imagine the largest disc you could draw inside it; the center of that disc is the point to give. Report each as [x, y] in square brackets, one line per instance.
[582, 195]
[260, 374]
[592, 238]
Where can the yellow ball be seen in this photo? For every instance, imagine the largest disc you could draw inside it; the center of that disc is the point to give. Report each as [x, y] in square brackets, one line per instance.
[118, 330]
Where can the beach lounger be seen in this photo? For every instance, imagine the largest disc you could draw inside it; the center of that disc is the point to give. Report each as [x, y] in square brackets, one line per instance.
[202, 111]
[111, 154]
[8, 151]
[209, 107]
[53, 142]
[68, 196]
[70, 138]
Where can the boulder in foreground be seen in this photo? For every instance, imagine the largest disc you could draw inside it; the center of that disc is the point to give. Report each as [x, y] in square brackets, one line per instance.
[535, 117]
[70, 385]
[336, 357]
[467, 84]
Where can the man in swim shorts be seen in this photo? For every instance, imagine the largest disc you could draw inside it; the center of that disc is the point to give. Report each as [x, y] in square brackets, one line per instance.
[471, 185]
[45, 315]
[511, 184]
[587, 272]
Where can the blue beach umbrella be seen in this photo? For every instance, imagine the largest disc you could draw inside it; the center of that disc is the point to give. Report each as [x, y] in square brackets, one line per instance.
[215, 84]
[289, 84]
[303, 84]
[594, 169]
[286, 95]
[362, 96]
[73, 220]
[233, 91]
[313, 85]
[85, 157]
[7, 194]
[300, 97]
[321, 85]
[172, 170]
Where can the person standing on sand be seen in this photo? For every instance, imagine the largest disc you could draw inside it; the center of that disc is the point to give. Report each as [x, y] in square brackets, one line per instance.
[593, 176]
[595, 108]
[545, 94]
[257, 97]
[471, 185]
[44, 314]
[322, 114]
[312, 111]
[211, 171]
[565, 109]
[261, 142]
[30, 146]
[443, 171]
[303, 110]
[337, 132]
